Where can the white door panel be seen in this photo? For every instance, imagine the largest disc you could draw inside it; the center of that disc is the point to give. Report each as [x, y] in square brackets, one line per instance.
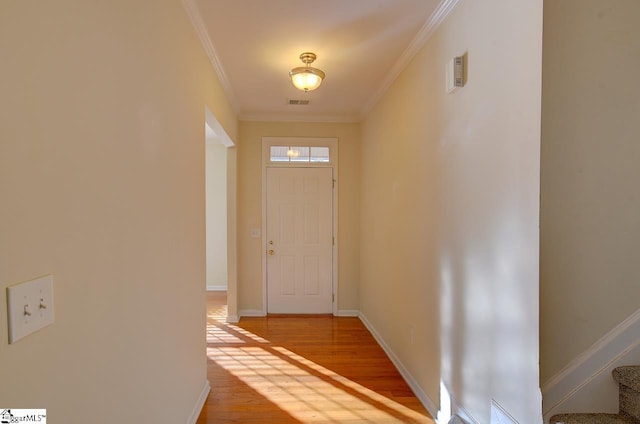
[299, 240]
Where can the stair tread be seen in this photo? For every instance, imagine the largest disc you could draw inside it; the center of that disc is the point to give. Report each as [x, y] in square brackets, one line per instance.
[628, 376]
[590, 419]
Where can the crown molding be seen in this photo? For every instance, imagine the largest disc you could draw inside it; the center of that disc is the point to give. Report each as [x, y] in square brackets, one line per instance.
[195, 17]
[443, 10]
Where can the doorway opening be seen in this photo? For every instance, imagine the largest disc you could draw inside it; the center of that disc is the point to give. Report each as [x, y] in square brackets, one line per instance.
[220, 207]
[299, 225]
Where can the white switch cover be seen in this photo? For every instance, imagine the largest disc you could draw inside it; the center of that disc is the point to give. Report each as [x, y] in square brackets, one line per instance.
[30, 307]
[255, 232]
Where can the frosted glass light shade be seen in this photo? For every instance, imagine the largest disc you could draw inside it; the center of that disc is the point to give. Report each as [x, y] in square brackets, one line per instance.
[306, 78]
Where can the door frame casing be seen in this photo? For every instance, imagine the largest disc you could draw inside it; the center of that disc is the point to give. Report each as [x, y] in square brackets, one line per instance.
[332, 143]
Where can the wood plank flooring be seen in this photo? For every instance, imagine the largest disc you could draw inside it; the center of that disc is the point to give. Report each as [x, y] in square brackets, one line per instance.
[301, 370]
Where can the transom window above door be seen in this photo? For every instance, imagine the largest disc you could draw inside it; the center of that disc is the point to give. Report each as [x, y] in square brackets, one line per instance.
[315, 154]
[299, 151]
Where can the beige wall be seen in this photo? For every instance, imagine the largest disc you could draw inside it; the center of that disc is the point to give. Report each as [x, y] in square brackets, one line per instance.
[590, 237]
[102, 185]
[216, 222]
[398, 229]
[250, 205]
[449, 230]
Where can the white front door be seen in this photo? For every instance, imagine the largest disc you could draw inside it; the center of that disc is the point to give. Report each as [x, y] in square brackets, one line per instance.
[299, 240]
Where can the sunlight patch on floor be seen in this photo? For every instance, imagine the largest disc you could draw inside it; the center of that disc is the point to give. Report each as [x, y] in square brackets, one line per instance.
[217, 333]
[290, 380]
[219, 313]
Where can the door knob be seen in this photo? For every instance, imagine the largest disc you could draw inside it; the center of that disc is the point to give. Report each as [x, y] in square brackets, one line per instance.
[271, 252]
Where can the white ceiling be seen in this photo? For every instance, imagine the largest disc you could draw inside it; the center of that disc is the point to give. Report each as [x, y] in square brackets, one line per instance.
[361, 45]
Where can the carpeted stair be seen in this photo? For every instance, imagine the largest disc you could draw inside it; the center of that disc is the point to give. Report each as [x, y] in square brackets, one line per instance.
[628, 379]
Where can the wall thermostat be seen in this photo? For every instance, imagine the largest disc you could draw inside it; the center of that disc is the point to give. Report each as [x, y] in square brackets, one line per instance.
[455, 74]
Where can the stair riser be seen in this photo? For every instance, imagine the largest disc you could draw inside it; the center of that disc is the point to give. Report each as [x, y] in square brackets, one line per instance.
[629, 402]
[628, 378]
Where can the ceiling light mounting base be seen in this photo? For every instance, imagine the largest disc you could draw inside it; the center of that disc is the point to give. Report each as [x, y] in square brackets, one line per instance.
[307, 57]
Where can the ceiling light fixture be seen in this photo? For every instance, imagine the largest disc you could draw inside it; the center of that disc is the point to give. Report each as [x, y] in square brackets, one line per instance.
[306, 78]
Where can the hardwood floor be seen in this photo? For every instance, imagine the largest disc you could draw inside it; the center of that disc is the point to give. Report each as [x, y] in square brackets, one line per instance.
[301, 370]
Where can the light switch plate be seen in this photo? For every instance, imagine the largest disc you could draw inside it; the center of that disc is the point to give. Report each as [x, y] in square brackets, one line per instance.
[30, 307]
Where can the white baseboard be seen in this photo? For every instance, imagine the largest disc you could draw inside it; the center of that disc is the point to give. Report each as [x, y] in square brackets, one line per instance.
[462, 413]
[261, 313]
[455, 419]
[199, 403]
[220, 287]
[499, 415]
[251, 313]
[451, 411]
[413, 384]
[347, 313]
[585, 384]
